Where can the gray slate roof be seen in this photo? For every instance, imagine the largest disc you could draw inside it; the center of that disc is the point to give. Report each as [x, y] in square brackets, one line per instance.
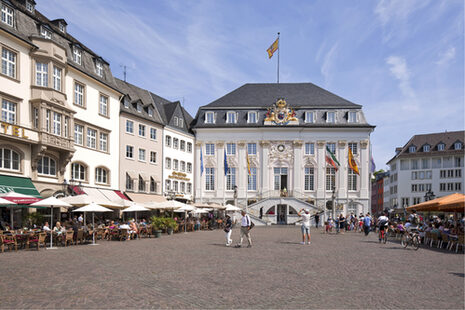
[433, 140]
[296, 95]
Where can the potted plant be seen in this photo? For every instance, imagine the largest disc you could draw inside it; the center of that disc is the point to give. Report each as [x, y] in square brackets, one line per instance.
[157, 225]
[170, 225]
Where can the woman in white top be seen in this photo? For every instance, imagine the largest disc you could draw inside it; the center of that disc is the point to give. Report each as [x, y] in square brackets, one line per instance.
[305, 225]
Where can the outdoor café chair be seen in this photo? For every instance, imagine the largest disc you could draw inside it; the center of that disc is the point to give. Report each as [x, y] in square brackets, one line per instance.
[79, 236]
[38, 239]
[435, 239]
[444, 239]
[427, 238]
[460, 242]
[69, 237]
[9, 241]
[123, 234]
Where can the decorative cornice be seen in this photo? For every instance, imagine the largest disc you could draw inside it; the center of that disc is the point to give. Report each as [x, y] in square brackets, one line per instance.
[298, 143]
[364, 144]
[341, 143]
[264, 143]
[320, 143]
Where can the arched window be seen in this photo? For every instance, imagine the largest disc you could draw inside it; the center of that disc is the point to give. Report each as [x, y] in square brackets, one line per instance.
[46, 166]
[9, 159]
[101, 175]
[78, 172]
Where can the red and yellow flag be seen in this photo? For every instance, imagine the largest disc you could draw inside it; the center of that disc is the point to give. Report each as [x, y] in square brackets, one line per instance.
[248, 163]
[273, 48]
[352, 163]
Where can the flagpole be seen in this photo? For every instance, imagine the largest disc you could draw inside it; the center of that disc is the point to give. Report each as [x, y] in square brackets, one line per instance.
[225, 176]
[347, 187]
[278, 57]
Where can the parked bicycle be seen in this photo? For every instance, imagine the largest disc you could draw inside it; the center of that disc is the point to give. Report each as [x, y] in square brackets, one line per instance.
[412, 238]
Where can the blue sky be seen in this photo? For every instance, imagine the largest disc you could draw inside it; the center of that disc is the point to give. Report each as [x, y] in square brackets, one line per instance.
[403, 60]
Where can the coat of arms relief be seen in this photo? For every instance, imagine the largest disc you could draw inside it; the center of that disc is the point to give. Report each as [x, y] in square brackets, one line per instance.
[281, 114]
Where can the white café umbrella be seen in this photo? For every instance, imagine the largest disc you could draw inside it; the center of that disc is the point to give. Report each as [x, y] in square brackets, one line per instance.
[51, 202]
[93, 207]
[185, 209]
[135, 208]
[230, 207]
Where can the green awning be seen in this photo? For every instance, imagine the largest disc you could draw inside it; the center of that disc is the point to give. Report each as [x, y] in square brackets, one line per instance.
[18, 184]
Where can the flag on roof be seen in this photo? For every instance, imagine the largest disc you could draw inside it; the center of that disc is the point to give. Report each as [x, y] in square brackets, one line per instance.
[352, 163]
[331, 159]
[273, 48]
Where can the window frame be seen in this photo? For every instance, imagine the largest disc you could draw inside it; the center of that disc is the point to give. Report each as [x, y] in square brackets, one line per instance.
[8, 12]
[105, 103]
[153, 157]
[99, 68]
[153, 133]
[129, 151]
[11, 160]
[131, 127]
[309, 120]
[77, 55]
[7, 62]
[141, 131]
[45, 32]
[143, 152]
[352, 117]
[85, 172]
[210, 117]
[328, 119]
[77, 95]
[106, 175]
[8, 112]
[231, 117]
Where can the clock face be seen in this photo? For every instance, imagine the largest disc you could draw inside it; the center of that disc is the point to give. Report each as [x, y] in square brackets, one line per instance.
[281, 148]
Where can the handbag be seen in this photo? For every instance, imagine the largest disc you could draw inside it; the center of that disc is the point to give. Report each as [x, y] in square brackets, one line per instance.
[227, 229]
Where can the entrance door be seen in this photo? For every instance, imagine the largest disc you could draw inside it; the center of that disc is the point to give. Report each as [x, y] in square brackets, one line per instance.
[280, 179]
[281, 214]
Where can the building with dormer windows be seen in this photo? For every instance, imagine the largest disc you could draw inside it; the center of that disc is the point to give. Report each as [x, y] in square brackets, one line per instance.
[428, 164]
[273, 139]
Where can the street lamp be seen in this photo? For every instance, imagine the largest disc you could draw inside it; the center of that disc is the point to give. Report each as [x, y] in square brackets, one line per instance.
[429, 195]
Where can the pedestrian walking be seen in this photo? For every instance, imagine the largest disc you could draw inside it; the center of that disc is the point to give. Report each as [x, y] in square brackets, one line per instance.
[305, 225]
[245, 230]
[228, 230]
[317, 220]
[367, 224]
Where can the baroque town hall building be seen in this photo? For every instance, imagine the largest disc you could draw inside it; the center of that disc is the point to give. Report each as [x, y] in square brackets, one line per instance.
[273, 140]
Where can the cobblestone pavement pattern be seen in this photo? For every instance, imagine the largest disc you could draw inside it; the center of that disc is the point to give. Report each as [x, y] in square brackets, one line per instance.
[196, 270]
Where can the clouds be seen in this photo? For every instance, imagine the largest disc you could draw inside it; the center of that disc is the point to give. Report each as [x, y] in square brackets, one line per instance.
[329, 64]
[398, 68]
[447, 56]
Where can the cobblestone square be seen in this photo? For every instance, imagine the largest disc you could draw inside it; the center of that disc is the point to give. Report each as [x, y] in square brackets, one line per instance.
[196, 270]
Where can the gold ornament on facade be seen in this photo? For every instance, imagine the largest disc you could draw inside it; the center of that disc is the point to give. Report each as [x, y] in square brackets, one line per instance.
[280, 114]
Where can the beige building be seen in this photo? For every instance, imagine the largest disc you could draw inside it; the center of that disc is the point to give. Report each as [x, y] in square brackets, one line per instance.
[141, 144]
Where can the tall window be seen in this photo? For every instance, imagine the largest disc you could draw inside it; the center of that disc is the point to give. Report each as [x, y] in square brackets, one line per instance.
[153, 133]
[175, 164]
[189, 147]
[78, 172]
[141, 130]
[309, 148]
[168, 163]
[41, 74]
[231, 148]
[47, 121]
[8, 63]
[182, 186]
[101, 175]
[231, 178]
[352, 117]
[91, 138]
[330, 178]
[182, 145]
[210, 149]
[309, 184]
[209, 117]
[78, 134]
[77, 55]
[57, 78]
[252, 148]
[309, 117]
[150, 111]
[175, 143]
[231, 118]
[252, 117]
[175, 121]
[139, 108]
[103, 145]
[141, 184]
[175, 186]
[331, 117]
[168, 141]
[352, 181]
[181, 123]
[103, 105]
[46, 166]
[99, 68]
[129, 183]
[7, 15]
[8, 111]
[141, 154]
[66, 127]
[183, 166]
[78, 94]
[153, 157]
[9, 159]
[153, 185]
[189, 167]
[56, 128]
[189, 188]
[353, 148]
[252, 179]
[129, 126]
[331, 147]
[129, 151]
[209, 179]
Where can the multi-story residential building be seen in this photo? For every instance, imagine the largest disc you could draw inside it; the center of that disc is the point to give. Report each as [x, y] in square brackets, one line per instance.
[377, 193]
[141, 144]
[386, 195]
[178, 151]
[273, 138]
[428, 164]
[60, 104]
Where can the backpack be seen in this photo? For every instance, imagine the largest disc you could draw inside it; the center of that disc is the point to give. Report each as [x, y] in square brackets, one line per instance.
[251, 224]
[415, 220]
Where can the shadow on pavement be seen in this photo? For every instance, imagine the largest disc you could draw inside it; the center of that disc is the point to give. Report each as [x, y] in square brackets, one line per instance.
[458, 274]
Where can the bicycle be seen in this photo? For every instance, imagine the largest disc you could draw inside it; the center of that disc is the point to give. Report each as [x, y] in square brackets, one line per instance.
[412, 238]
[383, 234]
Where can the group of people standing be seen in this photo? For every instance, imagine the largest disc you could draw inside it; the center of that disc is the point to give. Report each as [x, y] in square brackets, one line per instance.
[246, 226]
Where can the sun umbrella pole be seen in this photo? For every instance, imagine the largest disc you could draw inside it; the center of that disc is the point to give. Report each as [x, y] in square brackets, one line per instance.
[11, 217]
[93, 229]
[185, 221]
[51, 224]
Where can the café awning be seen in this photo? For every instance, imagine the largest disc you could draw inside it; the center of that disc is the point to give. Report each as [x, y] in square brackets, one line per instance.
[145, 198]
[19, 185]
[449, 203]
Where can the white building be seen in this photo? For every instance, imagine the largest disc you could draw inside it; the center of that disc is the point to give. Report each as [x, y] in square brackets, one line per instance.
[286, 144]
[428, 163]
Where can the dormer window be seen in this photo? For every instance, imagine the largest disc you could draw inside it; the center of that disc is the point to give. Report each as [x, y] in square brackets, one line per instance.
[7, 15]
[45, 32]
[30, 6]
[175, 121]
[252, 117]
[62, 27]
[126, 103]
[139, 108]
[210, 118]
[231, 117]
[352, 117]
[412, 149]
[331, 117]
[77, 55]
[457, 145]
[181, 123]
[150, 112]
[309, 117]
[441, 146]
[426, 148]
[99, 68]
